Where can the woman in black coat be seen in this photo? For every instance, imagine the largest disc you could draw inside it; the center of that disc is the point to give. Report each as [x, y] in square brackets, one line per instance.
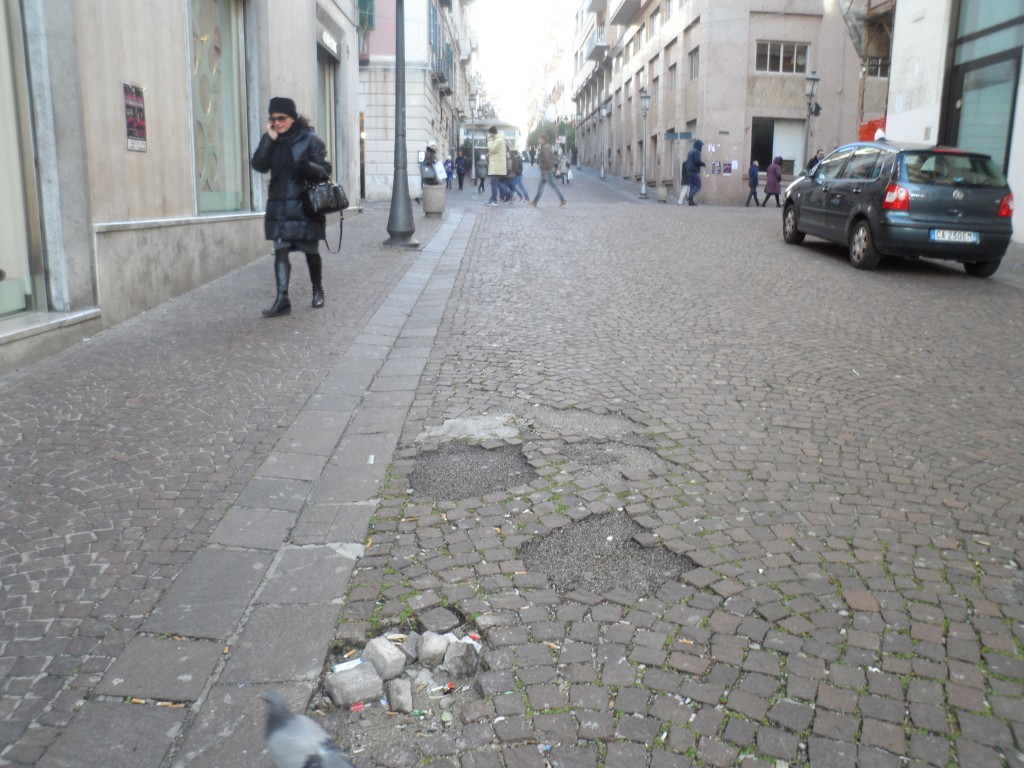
[295, 157]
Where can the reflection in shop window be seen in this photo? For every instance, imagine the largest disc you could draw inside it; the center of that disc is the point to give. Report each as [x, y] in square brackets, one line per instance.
[218, 105]
[15, 272]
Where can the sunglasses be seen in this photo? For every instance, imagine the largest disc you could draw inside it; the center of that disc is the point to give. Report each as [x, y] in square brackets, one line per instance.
[279, 118]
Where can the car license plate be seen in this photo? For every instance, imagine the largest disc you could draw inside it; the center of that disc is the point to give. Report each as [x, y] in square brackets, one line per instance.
[953, 236]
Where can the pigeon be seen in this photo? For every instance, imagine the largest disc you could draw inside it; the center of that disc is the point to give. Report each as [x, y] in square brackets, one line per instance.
[295, 741]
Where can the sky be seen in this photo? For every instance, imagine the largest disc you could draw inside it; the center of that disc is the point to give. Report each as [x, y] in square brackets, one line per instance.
[513, 38]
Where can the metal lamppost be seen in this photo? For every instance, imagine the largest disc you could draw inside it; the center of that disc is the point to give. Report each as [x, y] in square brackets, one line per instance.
[576, 137]
[400, 223]
[604, 151]
[474, 99]
[810, 90]
[645, 104]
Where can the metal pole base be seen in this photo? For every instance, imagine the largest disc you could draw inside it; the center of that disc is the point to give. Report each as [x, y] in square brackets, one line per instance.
[402, 241]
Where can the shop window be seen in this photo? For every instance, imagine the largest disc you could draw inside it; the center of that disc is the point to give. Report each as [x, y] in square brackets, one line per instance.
[218, 103]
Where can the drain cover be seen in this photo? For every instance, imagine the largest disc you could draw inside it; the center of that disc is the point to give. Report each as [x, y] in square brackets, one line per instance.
[598, 554]
[460, 471]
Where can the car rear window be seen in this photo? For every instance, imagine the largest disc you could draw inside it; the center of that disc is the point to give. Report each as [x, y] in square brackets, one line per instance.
[951, 169]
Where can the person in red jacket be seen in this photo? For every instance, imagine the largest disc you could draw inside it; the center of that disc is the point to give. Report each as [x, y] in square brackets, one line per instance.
[773, 182]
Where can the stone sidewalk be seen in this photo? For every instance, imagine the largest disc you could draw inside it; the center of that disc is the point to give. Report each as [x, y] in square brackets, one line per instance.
[199, 505]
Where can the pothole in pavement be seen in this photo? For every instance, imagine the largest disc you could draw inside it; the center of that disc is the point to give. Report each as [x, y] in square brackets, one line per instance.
[611, 462]
[599, 554]
[456, 470]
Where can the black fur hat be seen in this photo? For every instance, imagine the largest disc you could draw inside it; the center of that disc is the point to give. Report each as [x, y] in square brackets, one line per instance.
[283, 106]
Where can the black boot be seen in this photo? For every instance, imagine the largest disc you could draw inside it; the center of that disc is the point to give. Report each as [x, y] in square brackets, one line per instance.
[315, 265]
[282, 271]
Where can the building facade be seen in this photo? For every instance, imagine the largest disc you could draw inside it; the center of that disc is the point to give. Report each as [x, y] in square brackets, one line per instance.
[957, 80]
[439, 47]
[129, 129]
[733, 73]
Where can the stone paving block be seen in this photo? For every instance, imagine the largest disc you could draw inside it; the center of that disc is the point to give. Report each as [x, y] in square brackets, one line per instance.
[282, 643]
[831, 752]
[292, 466]
[333, 523]
[162, 668]
[191, 608]
[229, 730]
[274, 493]
[133, 736]
[380, 420]
[307, 575]
[253, 528]
[356, 469]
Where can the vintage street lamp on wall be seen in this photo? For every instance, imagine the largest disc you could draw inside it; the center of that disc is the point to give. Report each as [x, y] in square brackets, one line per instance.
[645, 105]
[813, 108]
[604, 151]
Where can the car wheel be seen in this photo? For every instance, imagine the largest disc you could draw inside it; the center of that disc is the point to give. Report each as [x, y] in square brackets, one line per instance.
[982, 268]
[790, 233]
[862, 252]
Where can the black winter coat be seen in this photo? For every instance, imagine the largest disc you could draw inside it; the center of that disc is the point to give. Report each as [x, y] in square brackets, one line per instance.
[295, 160]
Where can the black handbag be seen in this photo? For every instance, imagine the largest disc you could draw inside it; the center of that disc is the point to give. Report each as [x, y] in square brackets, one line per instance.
[324, 197]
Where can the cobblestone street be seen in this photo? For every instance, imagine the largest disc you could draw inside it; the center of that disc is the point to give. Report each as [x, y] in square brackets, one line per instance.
[201, 493]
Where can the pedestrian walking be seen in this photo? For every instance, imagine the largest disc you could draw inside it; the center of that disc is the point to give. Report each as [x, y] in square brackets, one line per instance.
[752, 178]
[773, 182]
[449, 172]
[461, 167]
[497, 166]
[563, 167]
[546, 161]
[694, 164]
[813, 162]
[295, 157]
[481, 171]
[517, 177]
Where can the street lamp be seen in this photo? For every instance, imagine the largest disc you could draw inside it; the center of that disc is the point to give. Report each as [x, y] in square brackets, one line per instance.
[645, 104]
[604, 151]
[810, 91]
[576, 137]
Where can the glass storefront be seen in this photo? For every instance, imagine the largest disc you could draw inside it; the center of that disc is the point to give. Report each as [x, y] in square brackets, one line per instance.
[16, 294]
[984, 81]
[218, 98]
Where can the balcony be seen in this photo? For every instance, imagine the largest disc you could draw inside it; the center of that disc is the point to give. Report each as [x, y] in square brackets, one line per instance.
[597, 45]
[597, 6]
[623, 12]
[441, 65]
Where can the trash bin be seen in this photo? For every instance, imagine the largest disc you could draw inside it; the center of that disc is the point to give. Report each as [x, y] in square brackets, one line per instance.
[433, 199]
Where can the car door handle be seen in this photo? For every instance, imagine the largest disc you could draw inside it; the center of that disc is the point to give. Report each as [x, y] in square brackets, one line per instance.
[855, 191]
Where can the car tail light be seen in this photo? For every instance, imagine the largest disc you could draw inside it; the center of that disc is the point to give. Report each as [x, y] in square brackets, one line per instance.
[1006, 207]
[897, 198]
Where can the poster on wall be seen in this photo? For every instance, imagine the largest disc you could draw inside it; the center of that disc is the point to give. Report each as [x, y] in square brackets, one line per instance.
[135, 118]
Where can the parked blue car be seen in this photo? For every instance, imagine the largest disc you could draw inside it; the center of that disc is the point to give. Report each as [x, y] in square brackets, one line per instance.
[885, 199]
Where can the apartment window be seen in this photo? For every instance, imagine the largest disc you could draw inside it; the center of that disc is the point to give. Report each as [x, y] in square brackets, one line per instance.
[673, 82]
[367, 14]
[668, 9]
[218, 104]
[653, 24]
[435, 29]
[695, 63]
[876, 66]
[655, 85]
[785, 58]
